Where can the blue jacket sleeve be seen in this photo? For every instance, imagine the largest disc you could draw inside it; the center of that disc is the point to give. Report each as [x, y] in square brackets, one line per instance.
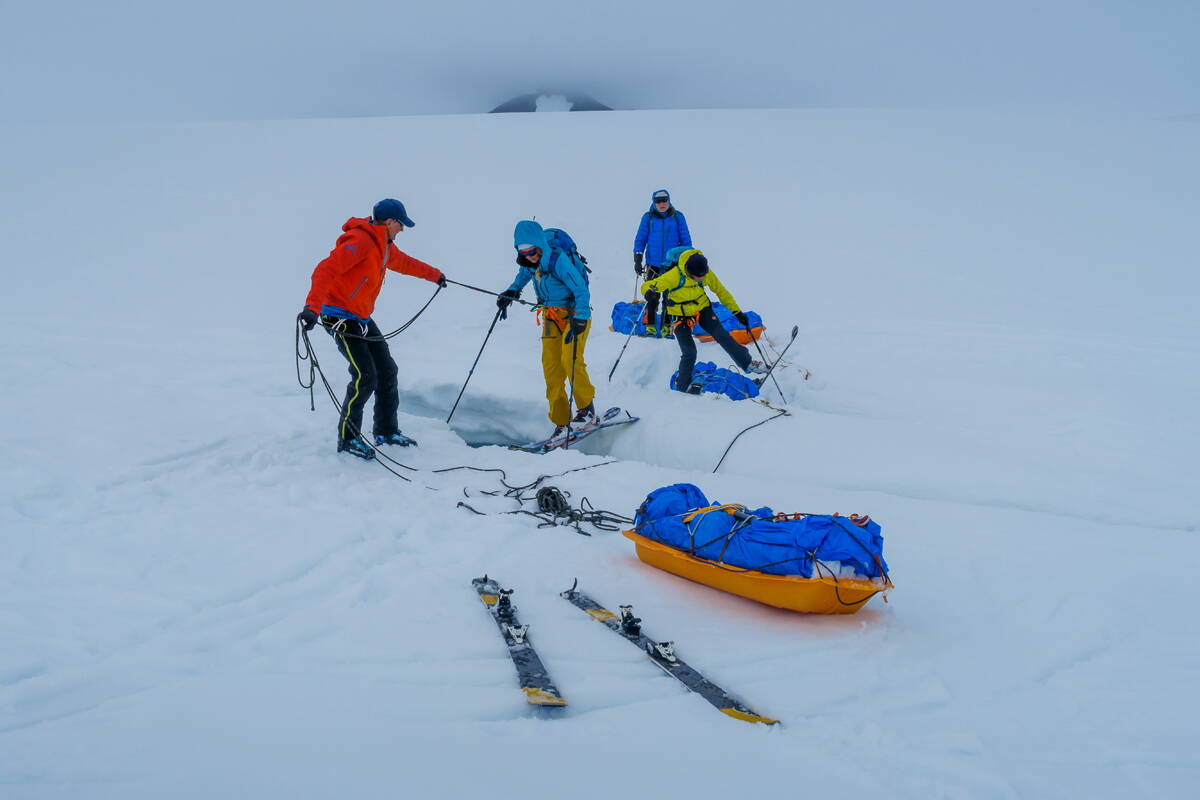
[643, 234]
[685, 236]
[524, 275]
[571, 274]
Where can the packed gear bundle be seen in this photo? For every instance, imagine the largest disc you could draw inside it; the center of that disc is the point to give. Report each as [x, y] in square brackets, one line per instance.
[629, 318]
[814, 563]
[707, 377]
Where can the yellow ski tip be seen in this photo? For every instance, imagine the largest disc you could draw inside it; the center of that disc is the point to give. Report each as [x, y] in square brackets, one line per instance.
[742, 715]
[536, 697]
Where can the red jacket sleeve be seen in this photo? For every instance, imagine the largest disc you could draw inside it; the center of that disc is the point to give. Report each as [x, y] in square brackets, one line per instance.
[405, 264]
[341, 259]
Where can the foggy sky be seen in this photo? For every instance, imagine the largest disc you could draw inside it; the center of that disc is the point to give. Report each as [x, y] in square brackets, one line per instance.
[222, 60]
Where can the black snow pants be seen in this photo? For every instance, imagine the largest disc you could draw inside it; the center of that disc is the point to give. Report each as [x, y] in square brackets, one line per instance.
[372, 370]
[687, 345]
[650, 317]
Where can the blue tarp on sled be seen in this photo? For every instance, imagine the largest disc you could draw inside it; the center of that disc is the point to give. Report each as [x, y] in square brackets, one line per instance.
[627, 318]
[721, 381]
[756, 541]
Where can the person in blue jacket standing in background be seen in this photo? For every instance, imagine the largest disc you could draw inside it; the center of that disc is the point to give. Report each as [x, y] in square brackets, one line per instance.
[662, 228]
[548, 257]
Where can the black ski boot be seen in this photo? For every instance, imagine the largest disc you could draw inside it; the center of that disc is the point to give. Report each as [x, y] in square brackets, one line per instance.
[356, 446]
[585, 417]
[396, 438]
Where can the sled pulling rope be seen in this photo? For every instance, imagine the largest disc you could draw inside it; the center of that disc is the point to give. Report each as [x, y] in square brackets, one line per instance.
[781, 413]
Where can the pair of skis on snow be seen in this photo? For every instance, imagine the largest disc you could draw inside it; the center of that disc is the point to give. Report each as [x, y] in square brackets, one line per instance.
[610, 419]
[535, 679]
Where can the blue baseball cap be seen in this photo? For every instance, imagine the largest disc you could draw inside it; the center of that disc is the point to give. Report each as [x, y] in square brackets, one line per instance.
[391, 209]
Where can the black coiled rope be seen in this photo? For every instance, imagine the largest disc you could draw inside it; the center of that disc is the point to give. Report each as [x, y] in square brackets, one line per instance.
[553, 507]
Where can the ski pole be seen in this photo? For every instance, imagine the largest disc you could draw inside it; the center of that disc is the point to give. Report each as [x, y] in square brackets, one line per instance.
[632, 331]
[488, 291]
[618, 361]
[571, 402]
[472, 372]
[763, 356]
[795, 331]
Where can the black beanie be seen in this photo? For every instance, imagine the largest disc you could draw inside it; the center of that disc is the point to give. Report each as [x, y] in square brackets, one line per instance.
[697, 265]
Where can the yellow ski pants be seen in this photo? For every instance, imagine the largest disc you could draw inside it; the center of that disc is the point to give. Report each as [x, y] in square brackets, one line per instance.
[557, 358]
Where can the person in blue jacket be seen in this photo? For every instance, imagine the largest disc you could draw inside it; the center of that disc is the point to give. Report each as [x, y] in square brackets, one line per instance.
[564, 303]
[662, 228]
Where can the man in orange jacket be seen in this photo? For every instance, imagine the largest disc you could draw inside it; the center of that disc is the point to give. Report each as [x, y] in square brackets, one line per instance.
[344, 288]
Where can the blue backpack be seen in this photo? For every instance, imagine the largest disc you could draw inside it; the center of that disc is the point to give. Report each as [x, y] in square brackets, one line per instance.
[673, 261]
[561, 242]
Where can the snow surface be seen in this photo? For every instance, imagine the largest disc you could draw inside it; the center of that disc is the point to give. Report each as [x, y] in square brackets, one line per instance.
[200, 598]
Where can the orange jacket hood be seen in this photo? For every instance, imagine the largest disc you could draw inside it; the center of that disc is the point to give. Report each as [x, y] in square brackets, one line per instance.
[350, 277]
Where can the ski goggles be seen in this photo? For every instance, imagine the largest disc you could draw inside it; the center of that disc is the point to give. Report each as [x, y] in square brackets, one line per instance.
[527, 250]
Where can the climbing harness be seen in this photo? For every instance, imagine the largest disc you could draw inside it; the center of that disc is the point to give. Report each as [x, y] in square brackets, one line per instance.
[339, 326]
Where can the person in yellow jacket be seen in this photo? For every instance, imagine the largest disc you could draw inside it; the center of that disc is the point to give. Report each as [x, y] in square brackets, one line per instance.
[682, 288]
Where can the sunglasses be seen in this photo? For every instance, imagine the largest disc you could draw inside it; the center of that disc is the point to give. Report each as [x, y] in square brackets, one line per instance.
[659, 200]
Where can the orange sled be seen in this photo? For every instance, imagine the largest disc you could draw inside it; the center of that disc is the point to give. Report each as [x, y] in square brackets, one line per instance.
[822, 595]
[739, 334]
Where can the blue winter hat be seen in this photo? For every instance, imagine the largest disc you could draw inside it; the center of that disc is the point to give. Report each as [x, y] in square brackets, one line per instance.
[660, 194]
[391, 209]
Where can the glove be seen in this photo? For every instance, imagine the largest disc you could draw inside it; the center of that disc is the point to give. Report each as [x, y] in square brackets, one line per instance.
[308, 317]
[741, 317]
[578, 326]
[637, 263]
[505, 300]
[441, 281]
